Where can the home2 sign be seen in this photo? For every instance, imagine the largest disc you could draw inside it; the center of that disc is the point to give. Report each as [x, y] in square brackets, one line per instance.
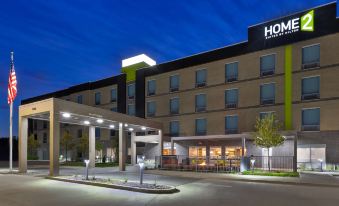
[303, 23]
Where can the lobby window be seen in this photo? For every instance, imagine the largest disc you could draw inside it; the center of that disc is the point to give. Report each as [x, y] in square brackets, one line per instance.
[45, 124]
[131, 109]
[114, 109]
[233, 152]
[200, 127]
[267, 94]
[112, 133]
[311, 119]
[310, 88]
[114, 95]
[311, 56]
[267, 65]
[174, 105]
[231, 72]
[151, 86]
[231, 98]
[200, 78]
[79, 99]
[79, 133]
[215, 151]
[44, 139]
[131, 91]
[151, 109]
[197, 151]
[231, 124]
[97, 98]
[97, 133]
[263, 115]
[174, 83]
[174, 128]
[200, 102]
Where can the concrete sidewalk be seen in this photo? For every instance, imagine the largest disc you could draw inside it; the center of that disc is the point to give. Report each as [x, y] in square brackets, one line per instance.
[304, 179]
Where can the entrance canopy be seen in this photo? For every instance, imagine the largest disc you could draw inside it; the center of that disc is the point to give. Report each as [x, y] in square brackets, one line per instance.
[58, 111]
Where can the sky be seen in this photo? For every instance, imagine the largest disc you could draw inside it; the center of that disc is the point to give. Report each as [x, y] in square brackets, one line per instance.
[61, 43]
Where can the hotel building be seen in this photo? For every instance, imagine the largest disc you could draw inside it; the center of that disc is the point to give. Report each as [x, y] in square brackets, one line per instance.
[208, 103]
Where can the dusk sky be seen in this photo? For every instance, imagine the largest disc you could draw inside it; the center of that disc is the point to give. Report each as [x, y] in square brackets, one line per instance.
[60, 43]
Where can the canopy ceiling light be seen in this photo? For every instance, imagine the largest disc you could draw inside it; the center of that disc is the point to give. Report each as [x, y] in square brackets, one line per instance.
[66, 115]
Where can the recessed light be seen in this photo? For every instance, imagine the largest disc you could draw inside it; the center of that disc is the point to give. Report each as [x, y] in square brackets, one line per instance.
[86, 122]
[100, 121]
[111, 126]
[130, 129]
[66, 115]
[126, 125]
[143, 128]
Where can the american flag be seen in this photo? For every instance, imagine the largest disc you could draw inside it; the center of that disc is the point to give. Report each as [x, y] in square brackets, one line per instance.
[12, 89]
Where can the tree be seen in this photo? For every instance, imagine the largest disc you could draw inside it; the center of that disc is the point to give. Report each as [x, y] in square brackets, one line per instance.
[67, 142]
[267, 134]
[32, 144]
[83, 145]
[98, 146]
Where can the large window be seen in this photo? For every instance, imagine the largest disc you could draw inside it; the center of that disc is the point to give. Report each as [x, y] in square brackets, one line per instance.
[114, 109]
[267, 65]
[197, 151]
[174, 83]
[79, 99]
[231, 72]
[215, 151]
[174, 105]
[311, 56]
[200, 78]
[267, 94]
[151, 86]
[131, 91]
[151, 109]
[266, 114]
[97, 98]
[231, 98]
[200, 126]
[174, 128]
[231, 124]
[233, 152]
[310, 88]
[114, 95]
[97, 133]
[311, 119]
[200, 102]
[131, 109]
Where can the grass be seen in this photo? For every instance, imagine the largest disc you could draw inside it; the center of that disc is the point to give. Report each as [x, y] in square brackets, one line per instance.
[82, 164]
[271, 173]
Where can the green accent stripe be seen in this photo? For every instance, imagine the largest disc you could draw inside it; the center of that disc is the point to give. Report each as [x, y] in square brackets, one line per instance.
[288, 87]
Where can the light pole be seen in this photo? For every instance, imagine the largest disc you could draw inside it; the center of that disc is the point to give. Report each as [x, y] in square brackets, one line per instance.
[141, 162]
[87, 163]
[321, 165]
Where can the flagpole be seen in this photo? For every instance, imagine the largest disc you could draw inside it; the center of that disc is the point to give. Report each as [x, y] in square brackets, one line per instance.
[10, 129]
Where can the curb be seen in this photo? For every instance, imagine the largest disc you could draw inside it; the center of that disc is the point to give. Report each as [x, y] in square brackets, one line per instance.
[120, 187]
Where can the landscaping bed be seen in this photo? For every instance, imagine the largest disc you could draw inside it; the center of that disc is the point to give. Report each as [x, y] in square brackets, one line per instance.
[271, 173]
[118, 184]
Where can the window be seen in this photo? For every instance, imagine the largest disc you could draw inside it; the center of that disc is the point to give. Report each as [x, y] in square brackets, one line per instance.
[200, 127]
[174, 83]
[114, 95]
[97, 98]
[215, 151]
[200, 102]
[131, 91]
[174, 105]
[131, 109]
[151, 85]
[231, 98]
[112, 133]
[79, 133]
[79, 99]
[233, 152]
[267, 94]
[267, 65]
[311, 56]
[151, 109]
[97, 132]
[44, 139]
[114, 109]
[262, 115]
[200, 78]
[311, 119]
[310, 88]
[174, 128]
[231, 126]
[197, 151]
[44, 126]
[231, 72]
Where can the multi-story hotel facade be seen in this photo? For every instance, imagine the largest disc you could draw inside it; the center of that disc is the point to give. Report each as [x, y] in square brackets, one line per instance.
[208, 103]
